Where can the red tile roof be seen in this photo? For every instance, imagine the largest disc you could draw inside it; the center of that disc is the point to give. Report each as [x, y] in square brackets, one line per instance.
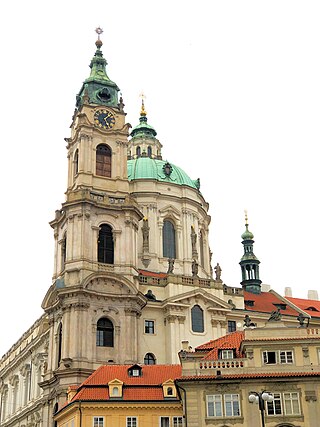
[265, 303]
[146, 387]
[248, 376]
[152, 274]
[306, 304]
[227, 342]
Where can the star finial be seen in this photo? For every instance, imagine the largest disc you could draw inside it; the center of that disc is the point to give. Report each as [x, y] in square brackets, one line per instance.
[99, 31]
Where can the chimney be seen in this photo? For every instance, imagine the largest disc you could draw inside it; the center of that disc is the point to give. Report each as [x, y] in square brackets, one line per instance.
[185, 345]
[287, 291]
[313, 295]
[265, 288]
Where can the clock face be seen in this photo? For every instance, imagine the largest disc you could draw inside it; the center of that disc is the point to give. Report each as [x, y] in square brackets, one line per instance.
[104, 119]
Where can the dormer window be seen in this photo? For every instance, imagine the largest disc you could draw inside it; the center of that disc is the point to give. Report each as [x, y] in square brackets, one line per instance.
[281, 306]
[226, 354]
[249, 303]
[311, 309]
[115, 388]
[169, 389]
[135, 371]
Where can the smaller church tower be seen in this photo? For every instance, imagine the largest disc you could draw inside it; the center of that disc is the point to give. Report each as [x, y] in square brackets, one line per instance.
[249, 263]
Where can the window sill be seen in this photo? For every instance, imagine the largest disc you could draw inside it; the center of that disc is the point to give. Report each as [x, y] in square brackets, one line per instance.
[238, 419]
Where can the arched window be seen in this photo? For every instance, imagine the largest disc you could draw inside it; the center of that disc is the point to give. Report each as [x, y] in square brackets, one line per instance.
[103, 160]
[201, 248]
[169, 239]
[76, 162]
[138, 151]
[170, 391]
[63, 251]
[149, 151]
[105, 245]
[149, 359]
[197, 319]
[59, 337]
[4, 399]
[104, 333]
[115, 391]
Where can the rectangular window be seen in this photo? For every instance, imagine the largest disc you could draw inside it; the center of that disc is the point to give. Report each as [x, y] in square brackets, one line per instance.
[149, 326]
[281, 356]
[177, 421]
[275, 407]
[291, 403]
[98, 422]
[164, 422]
[132, 422]
[269, 357]
[232, 326]
[232, 405]
[226, 354]
[214, 405]
[286, 357]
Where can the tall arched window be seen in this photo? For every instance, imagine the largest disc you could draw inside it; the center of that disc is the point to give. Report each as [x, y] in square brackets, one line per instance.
[149, 151]
[76, 162]
[105, 245]
[149, 359]
[201, 242]
[59, 339]
[103, 160]
[104, 333]
[4, 399]
[168, 239]
[197, 319]
[138, 151]
[63, 251]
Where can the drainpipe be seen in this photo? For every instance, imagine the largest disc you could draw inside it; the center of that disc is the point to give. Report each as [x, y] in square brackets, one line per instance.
[185, 404]
[80, 410]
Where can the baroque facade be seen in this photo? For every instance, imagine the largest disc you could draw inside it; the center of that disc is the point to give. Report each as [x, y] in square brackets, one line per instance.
[132, 278]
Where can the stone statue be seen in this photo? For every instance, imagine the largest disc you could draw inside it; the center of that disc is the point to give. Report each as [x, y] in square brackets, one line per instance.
[275, 316]
[194, 242]
[150, 295]
[145, 233]
[170, 265]
[248, 323]
[194, 268]
[301, 318]
[218, 270]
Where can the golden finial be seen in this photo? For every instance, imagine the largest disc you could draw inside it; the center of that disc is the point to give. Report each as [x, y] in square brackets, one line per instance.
[246, 217]
[142, 111]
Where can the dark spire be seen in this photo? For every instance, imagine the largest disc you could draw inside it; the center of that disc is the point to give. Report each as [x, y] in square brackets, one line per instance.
[249, 263]
[98, 87]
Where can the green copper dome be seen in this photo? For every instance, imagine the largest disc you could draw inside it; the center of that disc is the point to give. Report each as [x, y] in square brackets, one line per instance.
[247, 235]
[159, 170]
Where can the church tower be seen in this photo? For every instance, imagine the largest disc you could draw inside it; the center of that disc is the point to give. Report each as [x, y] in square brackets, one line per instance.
[95, 235]
[249, 263]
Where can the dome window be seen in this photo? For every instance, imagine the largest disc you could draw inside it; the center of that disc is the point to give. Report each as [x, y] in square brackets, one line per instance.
[169, 239]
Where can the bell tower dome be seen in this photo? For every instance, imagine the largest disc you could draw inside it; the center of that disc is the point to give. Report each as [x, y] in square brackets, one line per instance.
[249, 263]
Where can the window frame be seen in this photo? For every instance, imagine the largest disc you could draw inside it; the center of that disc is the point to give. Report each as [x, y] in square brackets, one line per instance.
[151, 327]
[232, 326]
[103, 160]
[193, 321]
[215, 402]
[105, 334]
[164, 417]
[97, 419]
[227, 353]
[291, 400]
[274, 405]
[169, 239]
[232, 401]
[178, 421]
[153, 358]
[282, 357]
[130, 419]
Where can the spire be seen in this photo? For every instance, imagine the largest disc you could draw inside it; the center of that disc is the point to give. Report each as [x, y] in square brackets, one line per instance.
[98, 86]
[143, 129]
[249, 263]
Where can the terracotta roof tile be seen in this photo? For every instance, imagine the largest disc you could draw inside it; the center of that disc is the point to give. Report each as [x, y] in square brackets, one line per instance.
[306, 305]
[248, 376]
[265, 303]
[152, 274]
[230, 341]
[147, 387]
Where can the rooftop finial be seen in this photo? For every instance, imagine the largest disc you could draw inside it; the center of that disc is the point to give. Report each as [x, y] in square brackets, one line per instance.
[142, 111]
[99, 31]
[246, 218]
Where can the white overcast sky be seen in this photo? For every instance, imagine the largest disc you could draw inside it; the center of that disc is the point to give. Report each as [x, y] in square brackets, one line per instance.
[232, 89]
